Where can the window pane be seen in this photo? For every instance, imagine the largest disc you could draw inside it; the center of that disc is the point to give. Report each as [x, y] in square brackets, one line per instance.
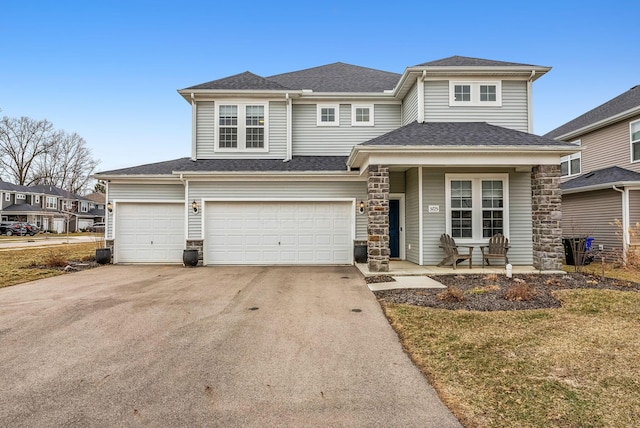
[635, 132]
[492, 196]
[462, 92]
[575, 166]
[255, 116]
[487, 92]
[461, 196]
[228, 115]
[636, 151]
[564, 168]
[327, 114]
[255, 138]
[362, 114]
[491, 223]
[228, 137]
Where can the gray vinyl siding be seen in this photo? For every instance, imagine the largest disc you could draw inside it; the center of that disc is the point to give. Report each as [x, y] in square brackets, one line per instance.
[607, 147]
[593, 214]
[277, 189]
[512, 114]
[520, 229]
[205, 133]
[412, 221]
[634, 215]
[312, 140]
[396, 182]
[141, 193]
[410, 106]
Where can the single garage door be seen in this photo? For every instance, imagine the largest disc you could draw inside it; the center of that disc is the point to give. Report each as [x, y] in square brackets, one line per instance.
[278, 233]
[149, 233]
[84, 223]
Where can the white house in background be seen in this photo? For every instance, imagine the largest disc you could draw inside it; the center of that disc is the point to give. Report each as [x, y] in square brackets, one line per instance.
[295, 168]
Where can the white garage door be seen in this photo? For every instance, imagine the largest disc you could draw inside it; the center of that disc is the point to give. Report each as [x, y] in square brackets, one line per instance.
[278, 233]
[84, 223]
[149, 233]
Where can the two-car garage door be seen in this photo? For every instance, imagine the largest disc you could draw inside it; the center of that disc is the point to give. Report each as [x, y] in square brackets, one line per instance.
[280, 232]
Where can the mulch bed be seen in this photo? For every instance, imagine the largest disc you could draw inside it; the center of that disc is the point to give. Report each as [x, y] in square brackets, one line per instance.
[487, 292]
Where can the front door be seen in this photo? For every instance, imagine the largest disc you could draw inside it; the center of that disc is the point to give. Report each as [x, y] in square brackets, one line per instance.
[394, 228]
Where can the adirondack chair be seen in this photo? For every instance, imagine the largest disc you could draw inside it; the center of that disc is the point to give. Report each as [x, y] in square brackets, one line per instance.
[452, 257]
[497, 249]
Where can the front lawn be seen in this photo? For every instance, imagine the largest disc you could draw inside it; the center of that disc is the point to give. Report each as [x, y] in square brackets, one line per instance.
[576, 366]
[23, 265]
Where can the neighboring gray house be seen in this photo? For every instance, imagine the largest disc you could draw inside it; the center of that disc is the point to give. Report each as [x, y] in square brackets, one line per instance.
[48, 207]
[602, 179]
[295, 168]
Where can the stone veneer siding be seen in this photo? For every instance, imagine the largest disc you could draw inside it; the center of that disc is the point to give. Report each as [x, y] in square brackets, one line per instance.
[378, 218]
[546, 217]
[196, 244]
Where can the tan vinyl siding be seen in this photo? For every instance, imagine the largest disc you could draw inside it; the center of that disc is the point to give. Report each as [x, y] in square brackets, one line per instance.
[593, 214]
[141, 193]
[512, 114]
[312, 140]
[634, 216]
[410, 106]
[607, 147]
[396, 182]
[205, 125]
[205, 133]
[412, 221]
[199, 190]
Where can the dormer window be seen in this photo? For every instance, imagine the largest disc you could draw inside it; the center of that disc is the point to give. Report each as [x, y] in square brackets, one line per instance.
[241, 127]
[476, 94]
[328, 115]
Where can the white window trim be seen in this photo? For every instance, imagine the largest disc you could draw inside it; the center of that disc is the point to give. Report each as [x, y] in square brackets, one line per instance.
[476, 216]
[21, 196]
[475, 93]
[319, 108]
[84, 207]
[632, 142]
[242, 141]
[7, 196]
[54, 203]
[370, 122]
[37, 199]
[568, 159]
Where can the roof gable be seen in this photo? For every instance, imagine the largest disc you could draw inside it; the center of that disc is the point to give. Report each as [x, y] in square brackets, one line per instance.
[619, 104]
[464, 61]
[241, 81]
[339, 77]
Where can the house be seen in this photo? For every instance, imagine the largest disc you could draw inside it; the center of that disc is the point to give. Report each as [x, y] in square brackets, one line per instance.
[298, 167]
[49, 207]
[601, 179]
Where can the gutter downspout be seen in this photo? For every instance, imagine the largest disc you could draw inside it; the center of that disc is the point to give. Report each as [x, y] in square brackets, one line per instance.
[194, 112]
[530, 101]
[625, 221]
[420, 89]
[289, 128]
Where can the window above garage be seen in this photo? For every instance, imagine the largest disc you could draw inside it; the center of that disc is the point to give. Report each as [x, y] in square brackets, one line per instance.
[242, 127]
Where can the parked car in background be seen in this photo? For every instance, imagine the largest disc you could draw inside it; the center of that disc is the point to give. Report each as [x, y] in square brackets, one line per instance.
[10, 228]
[97, 227]
[32, 229]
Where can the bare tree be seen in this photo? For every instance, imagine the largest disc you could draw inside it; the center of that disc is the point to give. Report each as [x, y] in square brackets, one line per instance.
[67, 164]
[22, 142]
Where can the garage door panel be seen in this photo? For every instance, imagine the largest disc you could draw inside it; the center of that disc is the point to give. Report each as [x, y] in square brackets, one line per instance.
[278, 233]
[149, 233]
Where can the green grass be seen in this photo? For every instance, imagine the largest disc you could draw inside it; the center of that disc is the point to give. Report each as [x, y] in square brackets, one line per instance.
[576, 366]
[21, 265]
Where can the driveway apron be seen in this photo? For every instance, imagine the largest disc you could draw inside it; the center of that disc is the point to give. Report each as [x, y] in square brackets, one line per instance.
[208, 346]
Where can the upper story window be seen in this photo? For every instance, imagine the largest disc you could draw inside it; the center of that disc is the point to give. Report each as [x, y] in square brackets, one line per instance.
[477, 206]
[241, 126]
[635, 141]
[51, 203]
[571, 165]
[84, 207]
[7, 197]
[37, 199]
[362, 115]
[475, 93]
[328, 115]
[21, 196]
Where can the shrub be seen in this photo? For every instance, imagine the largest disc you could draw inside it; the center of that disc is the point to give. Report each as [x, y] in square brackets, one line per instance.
[492, 277]
[452, 294]
[520, 293]
[55, 258]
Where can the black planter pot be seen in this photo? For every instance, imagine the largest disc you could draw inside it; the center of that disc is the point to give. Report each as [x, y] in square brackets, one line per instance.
[103, 255]
[190, 257]
[360, 253]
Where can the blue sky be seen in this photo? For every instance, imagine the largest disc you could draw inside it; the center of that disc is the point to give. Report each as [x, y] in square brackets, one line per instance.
[109, 70]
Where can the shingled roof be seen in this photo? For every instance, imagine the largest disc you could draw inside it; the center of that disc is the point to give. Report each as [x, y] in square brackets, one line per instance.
[464, 61]
[601, 177]
[460, 134]
[297, 164]
[246, 80]
[620, 104]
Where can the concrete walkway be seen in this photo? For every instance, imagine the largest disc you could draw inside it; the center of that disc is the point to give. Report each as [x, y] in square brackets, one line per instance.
[169, 346]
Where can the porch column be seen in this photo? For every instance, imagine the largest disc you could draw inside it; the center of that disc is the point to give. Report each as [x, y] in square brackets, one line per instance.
[546, 217]
[378, 218]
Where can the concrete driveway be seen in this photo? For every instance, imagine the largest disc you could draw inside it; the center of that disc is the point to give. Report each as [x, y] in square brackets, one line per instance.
[224, 346]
